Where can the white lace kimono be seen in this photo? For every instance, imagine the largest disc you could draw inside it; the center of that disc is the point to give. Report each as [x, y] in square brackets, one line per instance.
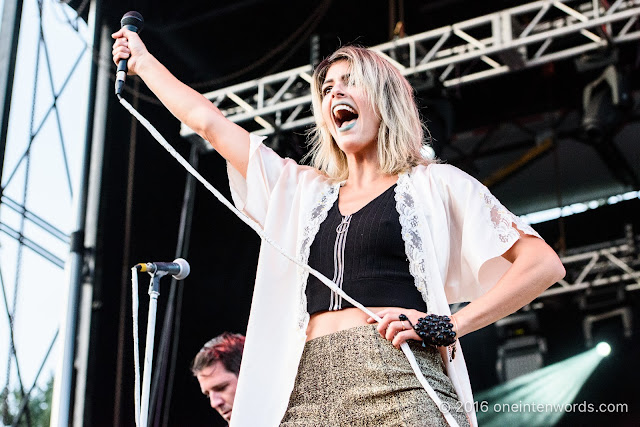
[454, 231]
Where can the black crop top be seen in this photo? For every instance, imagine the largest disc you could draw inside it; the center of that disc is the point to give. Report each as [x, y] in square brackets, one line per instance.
[364, 254]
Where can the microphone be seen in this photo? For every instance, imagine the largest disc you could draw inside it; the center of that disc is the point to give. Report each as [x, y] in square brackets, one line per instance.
[132, 21]
[179, 268]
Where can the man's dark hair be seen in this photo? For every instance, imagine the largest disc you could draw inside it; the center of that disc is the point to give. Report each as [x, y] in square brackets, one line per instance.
[226, 348]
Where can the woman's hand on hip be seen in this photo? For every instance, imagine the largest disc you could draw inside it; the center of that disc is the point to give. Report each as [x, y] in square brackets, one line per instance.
[394, 329]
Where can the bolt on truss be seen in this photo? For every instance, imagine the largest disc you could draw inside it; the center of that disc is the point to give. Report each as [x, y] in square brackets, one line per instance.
[39, 176]
[479, 48]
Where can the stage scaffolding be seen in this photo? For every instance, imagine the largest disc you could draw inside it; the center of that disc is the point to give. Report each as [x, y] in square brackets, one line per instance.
[613, 263]
[488, 46]
[45, 130]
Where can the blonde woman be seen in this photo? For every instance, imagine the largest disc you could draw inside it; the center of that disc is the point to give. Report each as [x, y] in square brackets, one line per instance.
[404, 236]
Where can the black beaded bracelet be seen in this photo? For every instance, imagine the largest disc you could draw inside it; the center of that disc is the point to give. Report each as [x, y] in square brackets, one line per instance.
[434, 329]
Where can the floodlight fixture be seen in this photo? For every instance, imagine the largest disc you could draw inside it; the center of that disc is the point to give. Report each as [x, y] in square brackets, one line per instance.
[603, 349]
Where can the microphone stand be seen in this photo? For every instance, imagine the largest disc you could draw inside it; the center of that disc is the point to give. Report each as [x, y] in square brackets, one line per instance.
[154, 291]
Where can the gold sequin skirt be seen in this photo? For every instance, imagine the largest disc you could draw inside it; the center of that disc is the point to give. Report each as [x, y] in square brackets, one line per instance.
[356, 378]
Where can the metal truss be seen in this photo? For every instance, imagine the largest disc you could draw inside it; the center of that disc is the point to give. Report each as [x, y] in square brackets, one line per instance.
[34, 233]
[483, 47]
[615, 263]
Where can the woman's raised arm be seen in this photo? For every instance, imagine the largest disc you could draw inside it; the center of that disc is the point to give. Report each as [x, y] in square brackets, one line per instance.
[189, 106]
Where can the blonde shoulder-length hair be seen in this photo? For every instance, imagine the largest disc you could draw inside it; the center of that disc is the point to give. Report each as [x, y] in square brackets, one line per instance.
[401, 132]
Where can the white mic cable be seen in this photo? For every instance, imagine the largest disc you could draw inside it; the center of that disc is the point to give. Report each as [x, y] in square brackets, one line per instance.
[256, 227]
[136, 349]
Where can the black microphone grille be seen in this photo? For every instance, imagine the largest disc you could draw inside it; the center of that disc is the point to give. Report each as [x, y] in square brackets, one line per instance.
[132, 18]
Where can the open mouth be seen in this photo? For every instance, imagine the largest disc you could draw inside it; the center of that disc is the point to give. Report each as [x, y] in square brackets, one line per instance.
[345, 116]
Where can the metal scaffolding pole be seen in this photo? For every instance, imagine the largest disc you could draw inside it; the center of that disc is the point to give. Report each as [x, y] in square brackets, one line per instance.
[61, 405]
[103, 91]
[9, 34]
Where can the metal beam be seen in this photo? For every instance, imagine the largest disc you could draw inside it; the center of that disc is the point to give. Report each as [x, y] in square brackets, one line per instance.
[62, 404]
[487, 46]
[611, 263]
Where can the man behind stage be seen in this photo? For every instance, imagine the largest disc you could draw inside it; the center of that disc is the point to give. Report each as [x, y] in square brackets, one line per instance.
[216, 366]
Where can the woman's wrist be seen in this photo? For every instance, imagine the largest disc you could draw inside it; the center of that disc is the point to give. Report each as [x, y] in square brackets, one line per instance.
[435, 330]
[144, 62]
[455, 328]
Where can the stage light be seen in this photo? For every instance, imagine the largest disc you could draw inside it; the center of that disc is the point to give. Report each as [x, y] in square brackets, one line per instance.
[608, 315]
[521, 349]
[539, 398]
[603, 101]
[603, 349]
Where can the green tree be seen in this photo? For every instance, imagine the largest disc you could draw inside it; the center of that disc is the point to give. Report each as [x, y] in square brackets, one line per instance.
[37, 411]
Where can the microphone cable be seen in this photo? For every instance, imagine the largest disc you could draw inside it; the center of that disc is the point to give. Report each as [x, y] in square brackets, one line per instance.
[264, 237]
[136, 342]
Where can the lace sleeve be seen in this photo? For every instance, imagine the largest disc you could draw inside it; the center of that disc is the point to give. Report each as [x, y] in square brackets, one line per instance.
[481, 231]
[504, 223]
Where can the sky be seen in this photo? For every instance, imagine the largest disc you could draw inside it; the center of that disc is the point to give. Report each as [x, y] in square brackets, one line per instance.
[41, 285]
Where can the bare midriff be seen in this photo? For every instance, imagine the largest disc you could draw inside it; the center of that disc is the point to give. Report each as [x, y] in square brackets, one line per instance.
[328, 322]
